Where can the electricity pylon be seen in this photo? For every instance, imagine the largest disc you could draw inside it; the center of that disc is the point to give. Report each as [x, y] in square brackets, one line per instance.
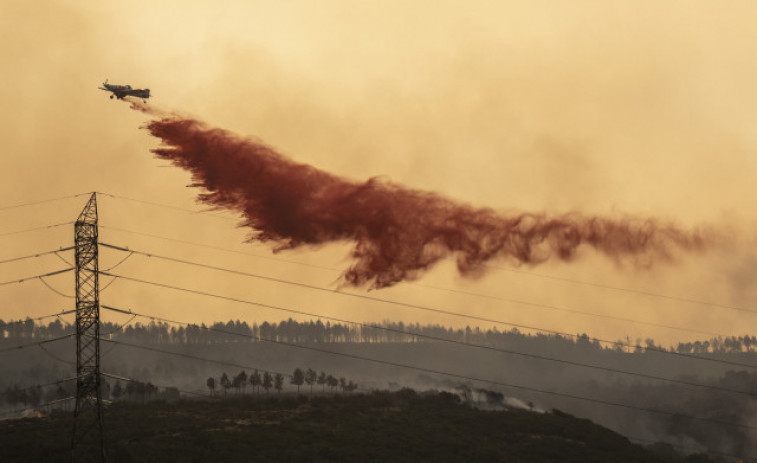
[87, 443]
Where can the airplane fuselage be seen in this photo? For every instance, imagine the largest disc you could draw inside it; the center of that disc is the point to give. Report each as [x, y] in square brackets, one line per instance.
[122, 91]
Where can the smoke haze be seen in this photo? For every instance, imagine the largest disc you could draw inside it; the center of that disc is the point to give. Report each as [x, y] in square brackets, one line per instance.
[397, 232]
[607, 108]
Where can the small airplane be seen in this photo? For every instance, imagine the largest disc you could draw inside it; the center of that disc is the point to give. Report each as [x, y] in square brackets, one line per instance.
[121, 91]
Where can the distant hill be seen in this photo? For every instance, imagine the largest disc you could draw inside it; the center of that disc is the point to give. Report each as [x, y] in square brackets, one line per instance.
[380, 426]
[712, 408]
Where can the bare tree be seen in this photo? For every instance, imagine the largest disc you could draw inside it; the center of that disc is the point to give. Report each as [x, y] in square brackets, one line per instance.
[255, 380]
[278, 382]
[240, 381]
[225, 383]
[211, 383]
[298, 377]
[118, 391]
[267, 381]
[332, 382]
[310, 377]
[322, 380]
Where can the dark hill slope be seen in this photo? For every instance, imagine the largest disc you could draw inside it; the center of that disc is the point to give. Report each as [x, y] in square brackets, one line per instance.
[379, 427]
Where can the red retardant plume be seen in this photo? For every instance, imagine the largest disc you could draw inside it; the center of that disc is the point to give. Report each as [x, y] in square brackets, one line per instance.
[398, 232]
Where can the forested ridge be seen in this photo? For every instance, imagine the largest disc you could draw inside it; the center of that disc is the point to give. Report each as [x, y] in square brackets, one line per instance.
[316, 332]
[165, 361]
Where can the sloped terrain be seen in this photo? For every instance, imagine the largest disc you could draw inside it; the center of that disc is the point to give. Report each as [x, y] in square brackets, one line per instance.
[380, 426]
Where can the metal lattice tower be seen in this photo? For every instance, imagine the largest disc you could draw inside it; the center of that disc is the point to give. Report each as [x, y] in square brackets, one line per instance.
[87, 443]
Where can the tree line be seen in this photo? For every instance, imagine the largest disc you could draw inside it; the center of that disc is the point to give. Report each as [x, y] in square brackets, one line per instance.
[268, 381]
[15, 396]
[316, 332]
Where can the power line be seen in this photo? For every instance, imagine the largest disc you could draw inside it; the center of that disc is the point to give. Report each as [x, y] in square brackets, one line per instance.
[55, 357]
[55, 290]
[64, 260]
[190, 356]
[37, 343]
[541, 275]
[120, 327]
[46, 404]
[569, 310]
[119, 262]
[216, 248]
[33, 203]
[39, 254]
[628, 290]
[65, 321]
[40, 386]
[479, 346]
[108, 285]
[319, 288]
[412, 306]
[114, 330]
[65, 312]
[131, 380]
[22, 280]
[449, 374]
[168, 206]
[35, 229]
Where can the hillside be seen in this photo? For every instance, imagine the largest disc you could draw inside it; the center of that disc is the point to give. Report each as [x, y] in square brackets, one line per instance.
[165, 357]
[381, 426]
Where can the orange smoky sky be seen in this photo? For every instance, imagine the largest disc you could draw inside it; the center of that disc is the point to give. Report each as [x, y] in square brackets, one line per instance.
[609, 109]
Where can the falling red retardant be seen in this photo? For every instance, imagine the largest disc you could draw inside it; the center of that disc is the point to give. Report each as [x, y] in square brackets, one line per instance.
[398, 232]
